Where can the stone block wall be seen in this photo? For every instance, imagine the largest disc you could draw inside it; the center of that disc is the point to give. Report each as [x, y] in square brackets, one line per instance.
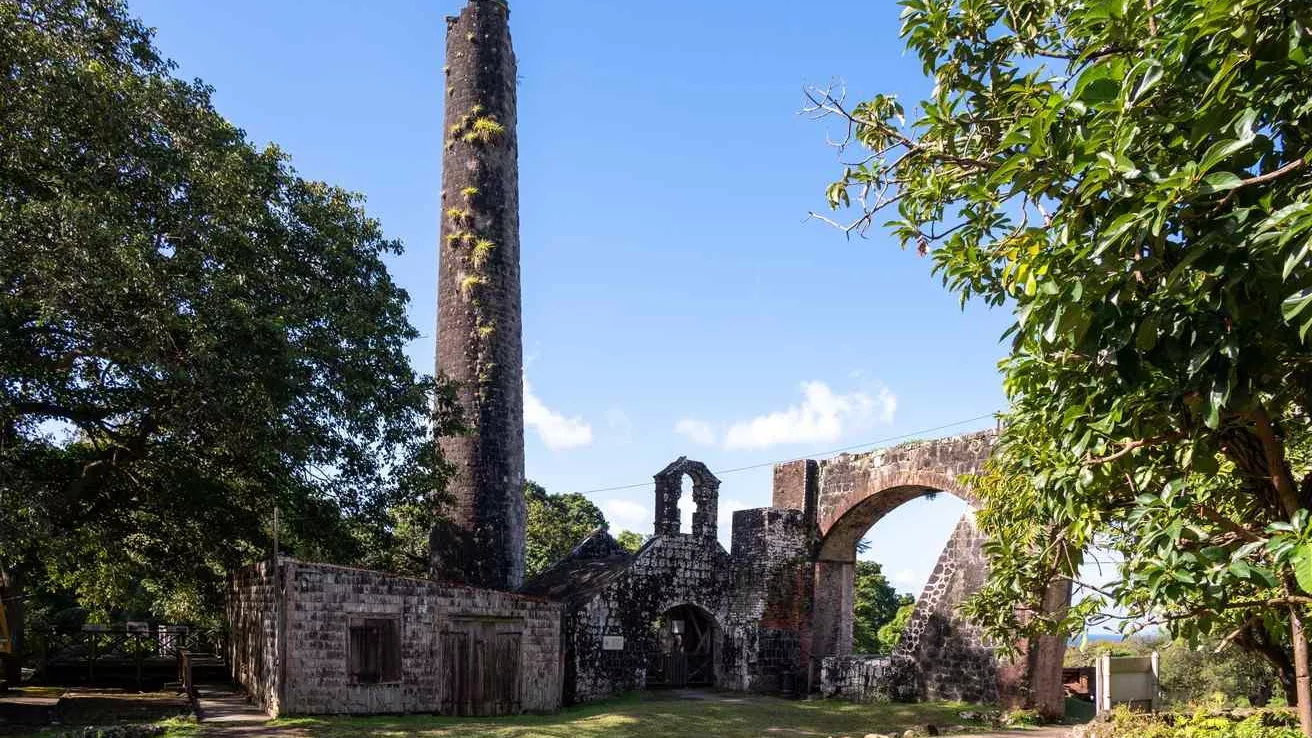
[858, 678]
[670, 570]
[252, 644]
[319, 601]
[770, 615]
[953, 659]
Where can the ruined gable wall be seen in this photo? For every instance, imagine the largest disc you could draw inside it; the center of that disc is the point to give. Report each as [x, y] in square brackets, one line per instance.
[953, 659]
[670, 570]
[941, 656]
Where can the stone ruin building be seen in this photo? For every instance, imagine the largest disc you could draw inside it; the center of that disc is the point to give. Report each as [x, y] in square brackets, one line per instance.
[772, 614]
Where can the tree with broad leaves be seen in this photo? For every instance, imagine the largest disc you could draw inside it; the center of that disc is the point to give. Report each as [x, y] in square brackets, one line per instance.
[875, 604]
[191, 335]
[555, 525]
[1132, 179]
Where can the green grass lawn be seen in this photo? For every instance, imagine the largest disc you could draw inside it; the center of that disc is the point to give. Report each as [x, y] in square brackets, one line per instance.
[650, 715]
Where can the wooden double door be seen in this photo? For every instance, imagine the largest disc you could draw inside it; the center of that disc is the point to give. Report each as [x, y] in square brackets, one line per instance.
[480, 663]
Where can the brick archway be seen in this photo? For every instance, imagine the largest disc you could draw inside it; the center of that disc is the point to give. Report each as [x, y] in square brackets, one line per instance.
[853, 492]
[940, 656]
[855, 512]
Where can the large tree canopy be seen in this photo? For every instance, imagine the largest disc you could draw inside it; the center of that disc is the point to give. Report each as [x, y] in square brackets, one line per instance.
[190, 334]
[1133, 179]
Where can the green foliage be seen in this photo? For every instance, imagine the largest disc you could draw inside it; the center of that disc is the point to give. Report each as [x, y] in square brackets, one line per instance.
[630, 541]
[1021, 718]
[484, 130]
[1132, 180]
[875, 606]
[1194, 675]
[190, 335]
[1201, 723]
[556, 524]
[891, 632]
[483, 249]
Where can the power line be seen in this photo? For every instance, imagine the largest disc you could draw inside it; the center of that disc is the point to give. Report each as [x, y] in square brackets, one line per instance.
[830, 452]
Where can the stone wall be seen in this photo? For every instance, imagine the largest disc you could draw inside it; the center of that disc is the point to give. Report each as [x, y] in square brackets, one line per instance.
[953, 660]
[252, 641]
[320, 600]
[769, 635]
[858, 678]
[668, 571]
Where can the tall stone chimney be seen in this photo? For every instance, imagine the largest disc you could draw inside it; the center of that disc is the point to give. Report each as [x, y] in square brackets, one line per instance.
[479, 345]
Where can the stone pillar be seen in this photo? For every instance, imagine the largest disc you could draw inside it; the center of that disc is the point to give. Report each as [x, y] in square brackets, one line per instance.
[832, 614]
[797, 487]
[479, 345]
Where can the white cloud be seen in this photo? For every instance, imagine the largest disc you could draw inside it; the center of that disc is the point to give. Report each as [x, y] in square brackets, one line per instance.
[556, 431]
[627, 515]
[823, 416]
[620, 425]
[697, 431]
[727, 508]
[905, 577]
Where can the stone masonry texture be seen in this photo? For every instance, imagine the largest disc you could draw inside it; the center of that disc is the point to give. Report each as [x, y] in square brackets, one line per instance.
[479, 343]
[941, 656]
[779, 603]
[309, 669]
[622, 597]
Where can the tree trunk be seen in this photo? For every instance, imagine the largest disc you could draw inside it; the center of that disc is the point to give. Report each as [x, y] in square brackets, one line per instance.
[1304, 681]
[11, 592]
[1255, 639]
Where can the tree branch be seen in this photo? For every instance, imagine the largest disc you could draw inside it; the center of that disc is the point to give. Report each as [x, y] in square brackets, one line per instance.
[1263, 178]
[1131, 446]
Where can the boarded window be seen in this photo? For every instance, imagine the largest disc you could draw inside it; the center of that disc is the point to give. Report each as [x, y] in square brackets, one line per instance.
[375, 650]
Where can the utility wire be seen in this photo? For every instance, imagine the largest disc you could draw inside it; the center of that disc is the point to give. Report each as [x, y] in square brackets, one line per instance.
[291, 514]
[830, 452]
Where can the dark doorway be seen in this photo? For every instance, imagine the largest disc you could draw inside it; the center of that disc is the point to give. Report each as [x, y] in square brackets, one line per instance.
[686, 635]
[480, 668]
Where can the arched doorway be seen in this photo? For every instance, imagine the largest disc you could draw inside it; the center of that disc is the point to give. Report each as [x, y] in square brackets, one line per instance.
[846, 525]
[686, 637]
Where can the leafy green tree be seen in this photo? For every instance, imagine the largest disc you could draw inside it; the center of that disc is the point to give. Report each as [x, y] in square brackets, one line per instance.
[1132, 180]
[630, 540]
[556, 524]
[190, 334]
[875, 604]
[891, 632]
[1195, 674]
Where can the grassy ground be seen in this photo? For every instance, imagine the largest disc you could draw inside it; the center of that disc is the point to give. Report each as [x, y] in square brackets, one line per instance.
[82, 707]
[648, 716]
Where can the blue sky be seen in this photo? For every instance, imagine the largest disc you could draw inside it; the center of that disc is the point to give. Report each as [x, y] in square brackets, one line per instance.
[677, 301]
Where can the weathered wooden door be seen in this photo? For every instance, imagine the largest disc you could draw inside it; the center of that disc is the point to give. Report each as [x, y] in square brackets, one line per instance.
[687, 655]
[480, 668]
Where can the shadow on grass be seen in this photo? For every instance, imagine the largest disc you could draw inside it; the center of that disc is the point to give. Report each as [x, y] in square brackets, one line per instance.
[648, 715]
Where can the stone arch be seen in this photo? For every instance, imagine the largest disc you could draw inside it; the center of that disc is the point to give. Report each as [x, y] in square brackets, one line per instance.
[859, 510]
[940, 655]
[844, 497]
[696, 658]
[705, 496]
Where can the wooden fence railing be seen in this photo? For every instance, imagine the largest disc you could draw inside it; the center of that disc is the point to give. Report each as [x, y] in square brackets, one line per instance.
[122, 655]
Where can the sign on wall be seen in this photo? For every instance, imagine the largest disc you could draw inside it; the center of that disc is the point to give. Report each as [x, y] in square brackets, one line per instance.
[612, 643]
